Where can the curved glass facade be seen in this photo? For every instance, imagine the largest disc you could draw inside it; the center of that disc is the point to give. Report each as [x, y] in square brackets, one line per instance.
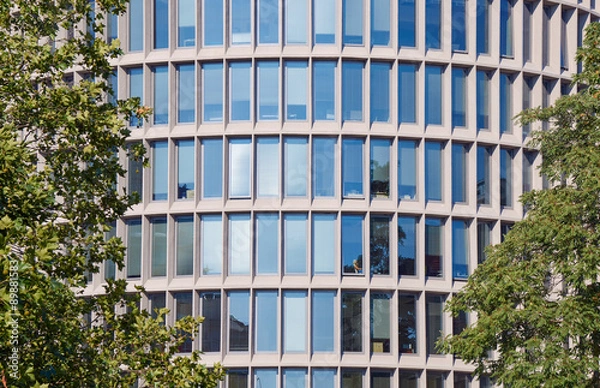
[326, 173]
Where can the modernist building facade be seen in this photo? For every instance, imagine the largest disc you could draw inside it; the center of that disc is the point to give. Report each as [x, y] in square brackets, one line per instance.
[324, 174]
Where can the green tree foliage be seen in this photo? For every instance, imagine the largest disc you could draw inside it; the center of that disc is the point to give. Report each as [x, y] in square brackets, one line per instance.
[537, 295]
[58, 172]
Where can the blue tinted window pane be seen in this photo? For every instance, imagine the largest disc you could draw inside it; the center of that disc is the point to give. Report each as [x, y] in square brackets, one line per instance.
[407, 335]
[459, 97]
[295, 166]
[433, 95]
[407, 93]
[459, 27]
[294, 378]
[239, 321]
[268, 90]
[113, 84]
[380, 92]
[323, 321]
[483, 100]
[352, 244]
[406, 23]
[186, 92]
[267, 166]
[239, 168]
[268, 21]
[160, 170]
[212, 244]
[323, 377]
[323, 165]
[506, 28]
[212, 162]
[379, 240]
[324, 90]
[296, 86]
[295, 21]
[185, 169]
[186, 23]
[324, 21]
[161, 24]
[407, 169]
[266, 321]
[158, 228]
[352, 91]
[240, 90]
[483, 28]
[239, 244]
[134, 248]
[483, 174]
[380, 168]
[459, 173]
[407, 245]
[294, 322]
[136, 89]
[136, 25]
[184, 235]
[433, 24]
[506, 181]
[352, 167]
[112, 27]
[267, 244]
[240, 21]
[434, 247]
[433, 171]
[183, 308]
[352, 22]
[265, 378]
[505, 103]
[323, 239]
[460, 249]
[213, 22]
[213, 92]
[295, 243]
[380, 22]
[161, 95]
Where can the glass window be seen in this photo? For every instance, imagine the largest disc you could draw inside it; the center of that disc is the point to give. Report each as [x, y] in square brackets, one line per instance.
[407, 93]
[296, 90]
[434, 307]
[506, 28]
[460, 249]
[483, 99]
[296, 12]
[212, 244]
[433, 171]
[380, 245]
[407, 323]
[433, 95]
[409, 378]
[113, 85]
[433, 24]
[186, 93]
[352, 91]
[323, 377]
[324, 88]
[460, 322]
[380, 322]
[268, 90]
[380, 91]
[239, 244]
[295, 239]
[407, 23]
[459, 97]
[136, 89]
[380, 168]
[135, 174]
[381, 379]
[161, 24]
[161, 95]
[407, 245]
[323, 321]
[112, 27]
[294, 322]
[213, 22]
[267, 166]
[240, 21]
[459, 173]
[184, 239]
[160, 170]
[183, 308]
[134, 248]
[483, 26]
[265, 378]
[211, 326]
[528, 85]
[407, 169]
[528, 9]
[240, 90]
[528, 170]
[212, 93]
[110, 268]
[484, 238]
[323, 239]
[240, 168]
[185, 169]
[546, 31]
[186, 23]
[505, 227]
[324, 18]
[352, 22]
[268, 21]
[294, 378]
[239, 321]
[352, 244]
[156, 301]
[484, 155]
[295, 166]
[506, 179]
[352, 322]
[267, 243]
[434, 247]
[266, 321]
[212, 162]
[136, 25]
[506, 113]
[323, 167]
[352, 167]
[435, 379]
[459, 25]
[237, 378]
[462, 380]
[380, 22]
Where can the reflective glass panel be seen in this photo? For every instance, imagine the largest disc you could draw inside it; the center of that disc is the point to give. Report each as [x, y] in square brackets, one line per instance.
[186, 93]
[239, 244]
[239, 321]
[380, 91]
[267, 243]
[324, 89]
[294, 322]
[212, 173]
[160, 170]
[267, 166]
[352, 244]
[212, 244]
[186, 23]
[266, 321]
[212, 93]
[323, 321]
[295, 240]
[296, 90]
[185, 169]
[213, 22]
[434, 247]
[323, 167]
[268, 90]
